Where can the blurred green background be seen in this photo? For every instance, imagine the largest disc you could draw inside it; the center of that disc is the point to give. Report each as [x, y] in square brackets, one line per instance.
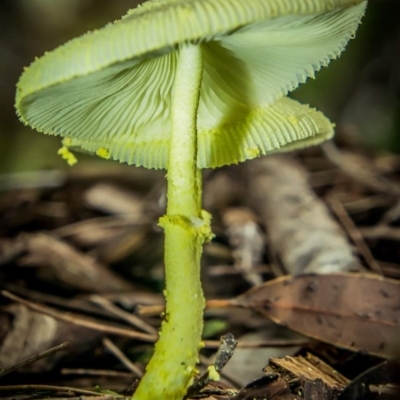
[360, 92]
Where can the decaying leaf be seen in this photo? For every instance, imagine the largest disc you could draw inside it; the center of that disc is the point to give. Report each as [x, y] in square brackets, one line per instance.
[359, 312]
[30, 333]
[66, 264]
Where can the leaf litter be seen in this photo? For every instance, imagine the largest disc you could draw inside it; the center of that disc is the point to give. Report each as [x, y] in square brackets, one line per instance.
[91, 268]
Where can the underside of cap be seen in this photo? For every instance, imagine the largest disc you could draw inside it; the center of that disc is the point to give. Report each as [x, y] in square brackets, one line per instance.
[285, 125]
[111, 89]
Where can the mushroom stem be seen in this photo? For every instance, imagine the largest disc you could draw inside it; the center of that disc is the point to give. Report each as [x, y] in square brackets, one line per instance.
[186, 227]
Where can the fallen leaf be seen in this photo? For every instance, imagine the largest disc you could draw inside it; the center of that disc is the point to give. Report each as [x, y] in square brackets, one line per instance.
[59, 260]
[30, 333]
[359, 312]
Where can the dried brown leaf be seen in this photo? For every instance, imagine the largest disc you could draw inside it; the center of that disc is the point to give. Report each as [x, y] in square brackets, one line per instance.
[31, 333]
[68, 265]
[359, 312]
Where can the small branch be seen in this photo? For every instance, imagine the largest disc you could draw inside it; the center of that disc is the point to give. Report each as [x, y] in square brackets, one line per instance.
[96, 372]
[353, 233]
[122, 357]
[75, 320]
[48, 388]
[127, 317]
[359, 169]
[34, 358]
[158, 309]
[214, 344]
[381, 232]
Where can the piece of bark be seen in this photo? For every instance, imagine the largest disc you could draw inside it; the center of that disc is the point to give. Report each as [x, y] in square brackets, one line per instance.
[308, 376]
[269, 387]
[303, 236]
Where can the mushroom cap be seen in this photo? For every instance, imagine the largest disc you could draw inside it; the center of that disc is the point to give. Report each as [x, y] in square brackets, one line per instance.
[109, 91]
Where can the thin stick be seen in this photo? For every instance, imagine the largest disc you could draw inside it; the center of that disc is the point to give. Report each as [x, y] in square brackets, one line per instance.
[76, 320]
[381, 232]
[154, 309]
[30, 360]
[32, 180]
[73, 319]
[48, 388]
[96, 372]
[128, 317]
[105, 222]
[100, 396]
[122, 357]
[214, 344]
[353, 232]
[157, 309]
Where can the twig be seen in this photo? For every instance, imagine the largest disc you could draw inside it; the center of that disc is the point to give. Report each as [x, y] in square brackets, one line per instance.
[122, 357]
[111, 221]
[100, 396]
[32, 180]
[213, 344]
[359, 169]
[153, 309]
[381, 232]
[48, 388]
[76, 320]
[391, 215]
[353, 232]
[157, 309]
[72, 304]
[37, 357]
[366, 203]
[227, 270]
[96, 372]
[128, 317]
